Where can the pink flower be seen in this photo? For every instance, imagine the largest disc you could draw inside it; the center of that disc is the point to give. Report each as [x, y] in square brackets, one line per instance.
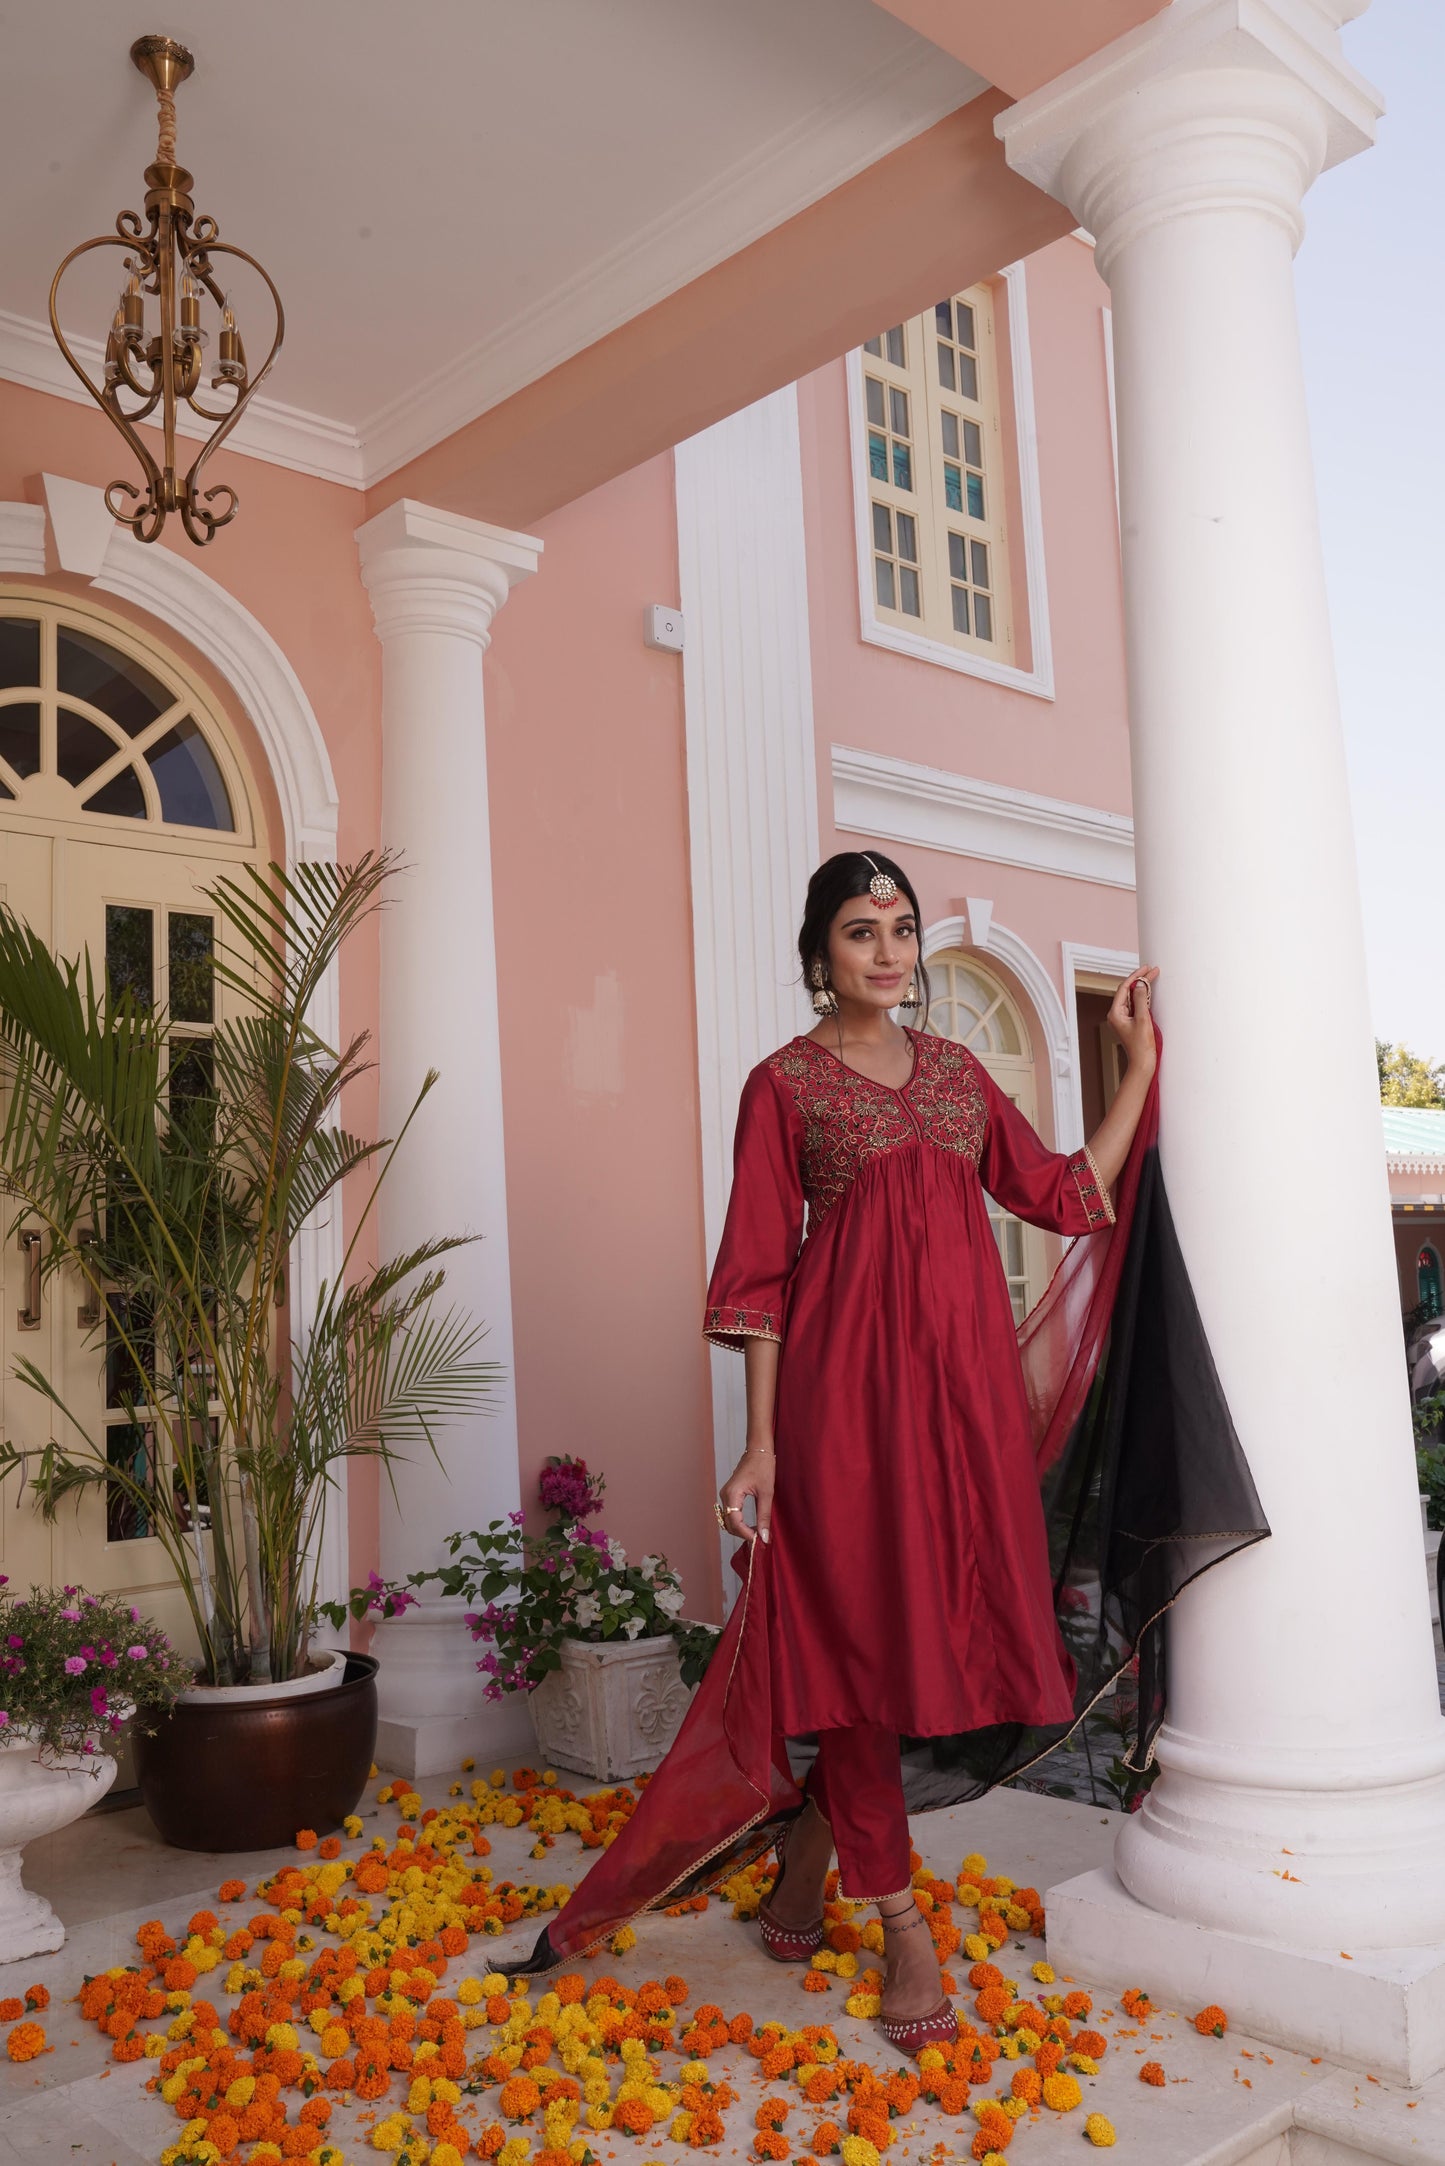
[74, 1665]
[4, 1718]
[71, 1616]
[136, 1653]
[98, 1699]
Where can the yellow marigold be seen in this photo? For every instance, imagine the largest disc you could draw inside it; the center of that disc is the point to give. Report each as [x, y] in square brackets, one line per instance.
[1084, 2063]
[858, 2151]
[352, 1825]
[827, 1959]
[622, 1941]
[1099, 2130]
[1044, 1972]
[1062, 2092]
[975, 1865]
[863, 2004]
[446, 2154]
[977, 1947]
[847, 1966]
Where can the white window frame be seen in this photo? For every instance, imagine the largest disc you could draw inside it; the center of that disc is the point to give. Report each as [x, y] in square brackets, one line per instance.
[1039, 680]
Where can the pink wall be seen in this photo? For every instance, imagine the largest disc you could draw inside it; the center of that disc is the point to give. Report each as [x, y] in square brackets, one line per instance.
[599, 1056]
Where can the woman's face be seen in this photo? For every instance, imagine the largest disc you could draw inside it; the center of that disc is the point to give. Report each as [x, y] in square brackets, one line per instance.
[872, 952]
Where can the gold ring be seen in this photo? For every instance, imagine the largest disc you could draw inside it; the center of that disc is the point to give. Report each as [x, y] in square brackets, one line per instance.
[721, 1519]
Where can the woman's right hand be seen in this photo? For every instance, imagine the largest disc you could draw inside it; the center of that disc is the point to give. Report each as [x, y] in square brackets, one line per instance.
[751, 1477]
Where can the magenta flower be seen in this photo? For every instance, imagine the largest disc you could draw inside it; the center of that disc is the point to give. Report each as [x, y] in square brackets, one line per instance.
[98, 1699]
[71, 1616]
[136, 1654]
[74, 1665]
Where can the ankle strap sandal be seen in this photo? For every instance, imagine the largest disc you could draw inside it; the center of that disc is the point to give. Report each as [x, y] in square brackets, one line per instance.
[787, 1943]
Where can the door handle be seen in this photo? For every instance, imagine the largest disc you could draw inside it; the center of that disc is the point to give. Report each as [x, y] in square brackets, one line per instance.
[31, 1247]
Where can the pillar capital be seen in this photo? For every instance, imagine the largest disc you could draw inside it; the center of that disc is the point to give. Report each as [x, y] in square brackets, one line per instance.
[428, 570]
[1211, 105]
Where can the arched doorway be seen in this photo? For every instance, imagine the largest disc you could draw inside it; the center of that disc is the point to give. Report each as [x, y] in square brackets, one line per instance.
[123, 794]
[972, 1007]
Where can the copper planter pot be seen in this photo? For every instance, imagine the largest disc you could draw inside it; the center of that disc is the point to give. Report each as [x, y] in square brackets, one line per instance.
[248, 1776]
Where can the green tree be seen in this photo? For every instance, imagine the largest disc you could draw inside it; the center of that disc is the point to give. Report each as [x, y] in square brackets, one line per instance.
[1406, 1079]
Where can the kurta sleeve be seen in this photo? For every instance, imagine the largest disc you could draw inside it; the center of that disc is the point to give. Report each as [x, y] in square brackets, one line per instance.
[1061, 1193]
[764, 1227]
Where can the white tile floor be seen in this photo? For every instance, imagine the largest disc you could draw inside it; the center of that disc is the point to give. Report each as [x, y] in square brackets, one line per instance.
[1229, 2103]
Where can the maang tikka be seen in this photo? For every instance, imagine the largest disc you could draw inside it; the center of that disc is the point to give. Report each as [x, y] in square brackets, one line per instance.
[882, 888]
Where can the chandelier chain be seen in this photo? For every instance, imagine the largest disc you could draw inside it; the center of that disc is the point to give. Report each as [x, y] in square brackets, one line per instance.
[166, 146]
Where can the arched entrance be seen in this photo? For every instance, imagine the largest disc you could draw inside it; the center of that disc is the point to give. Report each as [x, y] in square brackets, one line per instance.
[972, 1007]
[123, 793]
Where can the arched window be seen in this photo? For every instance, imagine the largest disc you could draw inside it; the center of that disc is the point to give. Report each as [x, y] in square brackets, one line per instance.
[933, 448]
[971, 1007]
[95, 725]
[1427, 1279]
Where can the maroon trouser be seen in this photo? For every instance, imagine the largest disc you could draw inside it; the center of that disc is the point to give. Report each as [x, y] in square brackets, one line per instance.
[857, 1785]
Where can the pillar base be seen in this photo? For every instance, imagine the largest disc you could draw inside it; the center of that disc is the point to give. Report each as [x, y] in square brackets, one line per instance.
[434, 1712]
[496, 1736]
[1381, 2009]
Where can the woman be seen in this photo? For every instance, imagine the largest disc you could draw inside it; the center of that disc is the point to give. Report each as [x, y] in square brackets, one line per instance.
[901, 1604]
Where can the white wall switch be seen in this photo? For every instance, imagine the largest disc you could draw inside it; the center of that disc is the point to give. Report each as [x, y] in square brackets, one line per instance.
[662, 627]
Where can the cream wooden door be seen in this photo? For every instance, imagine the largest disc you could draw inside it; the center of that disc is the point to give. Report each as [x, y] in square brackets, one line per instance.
[121, 799]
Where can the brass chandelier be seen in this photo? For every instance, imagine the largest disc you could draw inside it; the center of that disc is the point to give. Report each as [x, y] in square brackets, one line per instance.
[170, 271]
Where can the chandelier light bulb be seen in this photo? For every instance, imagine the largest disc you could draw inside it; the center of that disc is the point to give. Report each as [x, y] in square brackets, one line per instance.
[171, 255]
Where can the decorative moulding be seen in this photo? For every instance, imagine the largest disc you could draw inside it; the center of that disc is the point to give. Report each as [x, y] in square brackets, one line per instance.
[613, 1708]
[899, 801]
[1039, 681]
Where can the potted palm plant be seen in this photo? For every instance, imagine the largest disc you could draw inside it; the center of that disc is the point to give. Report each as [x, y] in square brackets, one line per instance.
[175, 1188]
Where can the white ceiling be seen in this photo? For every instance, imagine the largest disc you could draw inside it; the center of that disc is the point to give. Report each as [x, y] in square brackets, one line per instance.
[454, 196]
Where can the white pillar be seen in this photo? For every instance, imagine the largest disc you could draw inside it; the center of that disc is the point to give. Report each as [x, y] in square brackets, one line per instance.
[436, 581]
[1303, 1792]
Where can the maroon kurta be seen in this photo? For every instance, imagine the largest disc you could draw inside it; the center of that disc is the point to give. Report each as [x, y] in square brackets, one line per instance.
[908, 1580]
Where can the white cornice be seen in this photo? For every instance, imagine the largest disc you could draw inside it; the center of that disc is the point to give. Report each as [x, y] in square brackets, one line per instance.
[758, 194]
[874, 794]
[282, 435]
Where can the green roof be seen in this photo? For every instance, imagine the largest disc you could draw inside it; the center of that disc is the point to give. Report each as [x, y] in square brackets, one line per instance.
[1414, 1131]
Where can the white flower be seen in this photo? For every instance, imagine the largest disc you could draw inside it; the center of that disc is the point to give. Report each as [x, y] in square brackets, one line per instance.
[632, 1627]
[618, 1555]
[588, 1609]
[618, 1594]
[648, 1567]
[669, 1601]
[566, 1575]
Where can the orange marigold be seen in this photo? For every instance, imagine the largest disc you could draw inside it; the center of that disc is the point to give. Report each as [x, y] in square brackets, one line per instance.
[772, 2113]
[1078, 2004]
[1211, 2022]
[768, 2143]
[306, 1838]
[329, 1847]
[992, 2002]
[231, 1891]
[1094, 2043]
[1028, 2085]
[827, 2138]
[993, 2136]
[636, 2117]
[814, 1981]
[740, 2030]
[1136, 2004]
[1151, 2072]
[674, 1987]
[519, 2097]
[12, 2008]
[1048, 2057]
[37, 1997]
[25, 2041]
[490, 2140]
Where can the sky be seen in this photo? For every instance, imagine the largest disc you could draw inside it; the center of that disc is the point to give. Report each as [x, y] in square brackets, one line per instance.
[1371, 282]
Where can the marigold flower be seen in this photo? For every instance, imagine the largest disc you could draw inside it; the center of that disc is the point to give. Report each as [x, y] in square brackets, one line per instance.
[858, 2151]
[815, 1982]
[1062, 2093]
[825, 2139]
[37, 1997]
[1136, 2004]
[306, 1838]
[772, 2113]
[1153, 2073]
[769, 2143]
[1094, 2043]
[1027, 2084]
[1211, 2022]
[12, 2008]
[1099, 2130]
[991, 2142]
[25, 2042]
[1044, 1972]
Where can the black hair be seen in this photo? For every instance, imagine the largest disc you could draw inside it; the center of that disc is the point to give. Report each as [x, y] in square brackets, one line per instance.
[839, 880]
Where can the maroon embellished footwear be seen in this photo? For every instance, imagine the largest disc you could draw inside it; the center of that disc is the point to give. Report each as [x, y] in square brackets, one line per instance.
[938, 2028]
[787, 1943]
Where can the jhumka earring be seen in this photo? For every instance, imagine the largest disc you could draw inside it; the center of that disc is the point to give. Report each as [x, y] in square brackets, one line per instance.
[910, 998]
[824, 999]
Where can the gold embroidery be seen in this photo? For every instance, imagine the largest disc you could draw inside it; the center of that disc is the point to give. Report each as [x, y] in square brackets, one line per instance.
[1098, 1209]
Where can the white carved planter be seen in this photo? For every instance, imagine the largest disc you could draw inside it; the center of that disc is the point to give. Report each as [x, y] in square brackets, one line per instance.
[613, 1708]
[36, 1798]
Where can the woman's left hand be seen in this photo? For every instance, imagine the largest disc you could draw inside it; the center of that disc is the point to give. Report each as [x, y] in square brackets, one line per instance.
[1132, 1022]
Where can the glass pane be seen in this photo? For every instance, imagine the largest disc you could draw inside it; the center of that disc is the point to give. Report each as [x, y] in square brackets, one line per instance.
[895, 345]
[983, 616]
[945, 368]
[191, 938]
[874, 391]
[1005, 1028]
[882, 529]
[966, 335]
[943, 317]
[1013, 1236]
[968, 376]
[127, 1365]
[121, 798]
[128, 1448]
[960, 608]
[20, 738]
[898, 411]
[957, 556]
[109, 680]
[950, 435]
[978, 556]
[130, 949]
[883, 576]
[189, 1477]
[908, 537]
[874, 346]
[953, 487]
[79, 746]
[975, 496]
[193, 1073]
[878, 458]
[192, 792]
[908, 591]
[973, 443]
[19, 651]
[902, 467]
